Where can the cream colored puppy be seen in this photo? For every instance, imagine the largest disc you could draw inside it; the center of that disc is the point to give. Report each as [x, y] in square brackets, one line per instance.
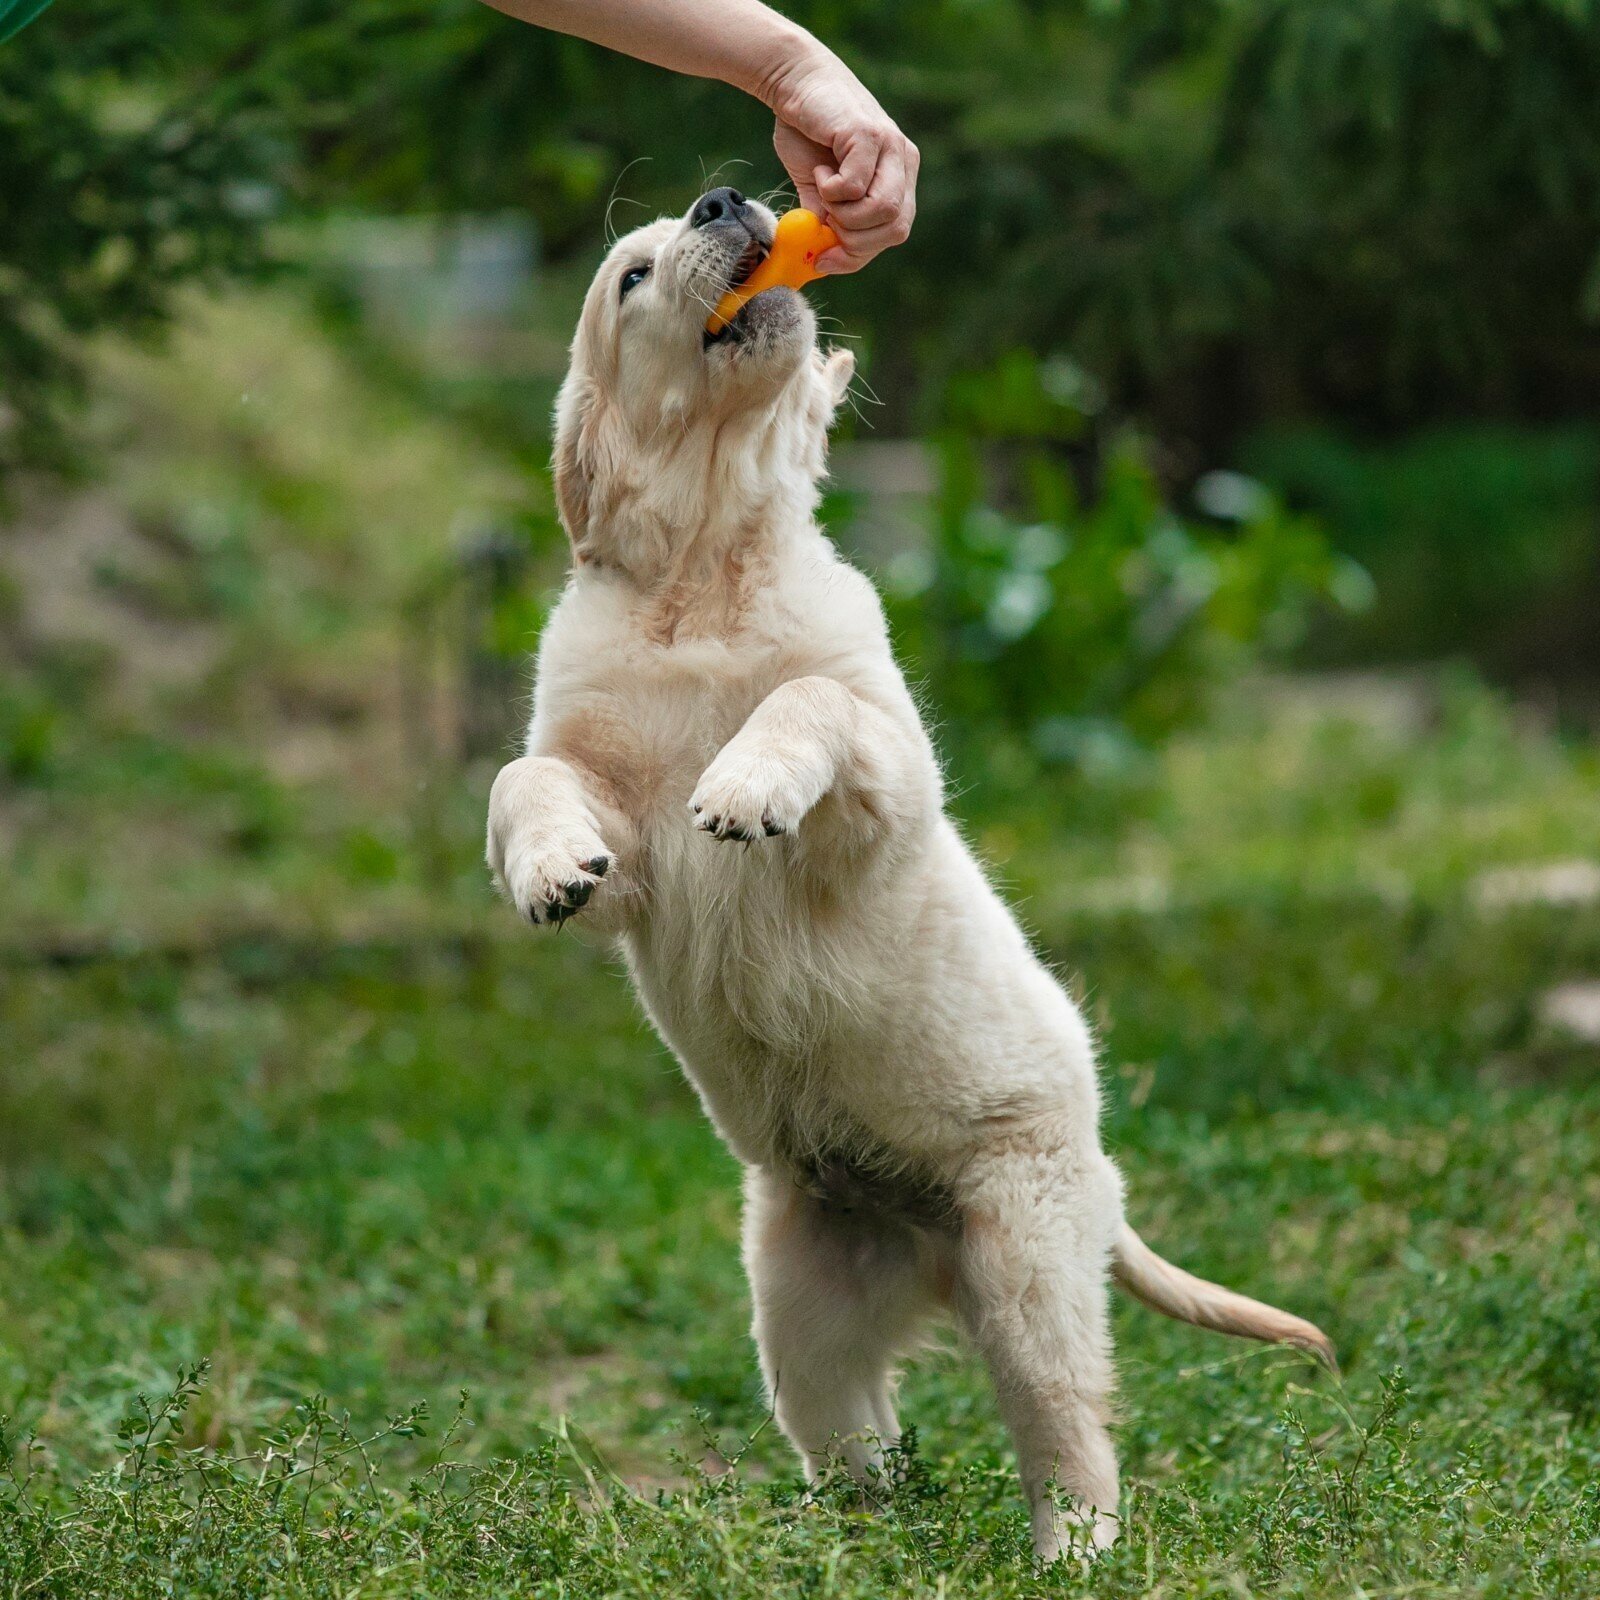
[725, 770]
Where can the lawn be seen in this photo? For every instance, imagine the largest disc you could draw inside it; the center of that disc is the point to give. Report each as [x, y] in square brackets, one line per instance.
[355, 1241]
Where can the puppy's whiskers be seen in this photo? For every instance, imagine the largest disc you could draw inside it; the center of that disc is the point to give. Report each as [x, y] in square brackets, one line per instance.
[710, 180]
[615, 199]
[860, 384]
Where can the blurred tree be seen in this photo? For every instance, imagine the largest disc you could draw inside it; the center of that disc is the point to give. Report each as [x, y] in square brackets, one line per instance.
[143, 149]
[1380, 212]
[1377, 211]
[117, 188]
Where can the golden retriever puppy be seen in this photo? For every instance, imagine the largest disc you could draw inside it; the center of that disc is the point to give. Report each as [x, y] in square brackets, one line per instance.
[726, 772]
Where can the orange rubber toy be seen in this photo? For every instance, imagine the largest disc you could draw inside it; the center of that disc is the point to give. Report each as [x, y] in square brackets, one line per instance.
[791, 262]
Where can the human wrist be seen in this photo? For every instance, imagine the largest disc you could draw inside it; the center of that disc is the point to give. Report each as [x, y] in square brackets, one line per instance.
[782, 59]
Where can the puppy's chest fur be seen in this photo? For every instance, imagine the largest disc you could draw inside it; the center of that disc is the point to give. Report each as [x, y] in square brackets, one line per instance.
[643, 689]
[734, 949]
[645, 715]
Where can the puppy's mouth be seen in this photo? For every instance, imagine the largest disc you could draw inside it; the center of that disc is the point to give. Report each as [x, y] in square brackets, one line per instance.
[751, 257]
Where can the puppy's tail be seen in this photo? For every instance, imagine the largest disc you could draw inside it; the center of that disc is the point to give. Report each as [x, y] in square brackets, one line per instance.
[1179, 1294]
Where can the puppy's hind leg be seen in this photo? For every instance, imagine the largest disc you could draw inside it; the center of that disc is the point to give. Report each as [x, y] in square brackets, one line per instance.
[837, 1298]
[1036, 1233]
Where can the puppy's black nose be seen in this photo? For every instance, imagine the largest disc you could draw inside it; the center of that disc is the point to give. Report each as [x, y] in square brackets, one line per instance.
[717, 205]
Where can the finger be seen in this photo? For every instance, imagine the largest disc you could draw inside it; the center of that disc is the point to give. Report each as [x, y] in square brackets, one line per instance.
[857, 248]
[805, 191]
[835, 188]
[857, 165]
[800, 157]
[820, 175]
[884, 201]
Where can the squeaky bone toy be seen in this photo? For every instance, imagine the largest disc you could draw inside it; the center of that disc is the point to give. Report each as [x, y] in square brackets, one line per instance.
[790, 263]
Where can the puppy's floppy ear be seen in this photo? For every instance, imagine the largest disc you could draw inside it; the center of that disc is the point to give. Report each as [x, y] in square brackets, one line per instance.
[573, 463]
[839, 369]
[836, 369]
[584, 460]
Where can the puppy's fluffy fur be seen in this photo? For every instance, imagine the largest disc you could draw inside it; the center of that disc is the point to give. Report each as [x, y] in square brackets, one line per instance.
[725, 770]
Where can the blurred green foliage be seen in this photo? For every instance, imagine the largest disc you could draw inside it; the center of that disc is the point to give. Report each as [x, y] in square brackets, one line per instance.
[1218, 217]
[1480, 538]
[118, 188]
[1227, 212]
[1075, 631]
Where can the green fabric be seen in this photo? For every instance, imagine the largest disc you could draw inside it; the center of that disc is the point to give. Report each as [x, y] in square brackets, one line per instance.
[15, 15]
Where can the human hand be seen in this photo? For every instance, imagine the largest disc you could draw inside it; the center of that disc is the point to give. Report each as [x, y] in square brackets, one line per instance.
[848, 161]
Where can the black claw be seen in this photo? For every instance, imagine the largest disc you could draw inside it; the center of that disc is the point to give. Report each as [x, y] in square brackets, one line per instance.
[559, 913]
[577, 894]
[771, 828]
[533, 915]
[597, 865]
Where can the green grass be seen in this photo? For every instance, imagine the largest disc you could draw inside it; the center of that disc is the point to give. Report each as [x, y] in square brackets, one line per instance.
[386, 1174]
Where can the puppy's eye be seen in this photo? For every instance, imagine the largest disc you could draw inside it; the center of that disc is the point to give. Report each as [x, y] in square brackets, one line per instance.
[631, 279]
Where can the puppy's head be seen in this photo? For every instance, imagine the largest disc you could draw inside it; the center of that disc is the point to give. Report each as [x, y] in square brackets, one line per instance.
[658, 421]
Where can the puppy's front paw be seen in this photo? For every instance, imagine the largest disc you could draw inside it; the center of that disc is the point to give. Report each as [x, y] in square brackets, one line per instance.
[549, 869]
[550, 882]
[543, 847]
[748, 798]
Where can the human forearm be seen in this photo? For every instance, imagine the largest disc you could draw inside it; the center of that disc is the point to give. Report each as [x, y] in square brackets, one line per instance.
[739, 42]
